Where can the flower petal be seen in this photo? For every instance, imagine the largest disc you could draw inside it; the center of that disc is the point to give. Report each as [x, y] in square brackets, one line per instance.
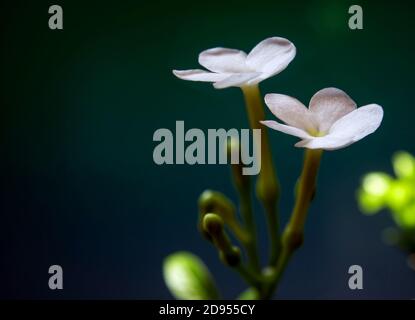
[358, 123]
[290, 110]
[235, 80]
[347, 130]
[271, 56]
[328, 105]
[328, 142]
[199, 75]
[286, 129]
[223, 60]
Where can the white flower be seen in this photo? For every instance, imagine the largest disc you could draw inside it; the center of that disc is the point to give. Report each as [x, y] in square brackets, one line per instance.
[331, 122]
[234, 68]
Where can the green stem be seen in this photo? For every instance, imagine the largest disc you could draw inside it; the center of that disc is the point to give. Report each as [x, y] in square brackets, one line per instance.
[306, 189]
[294, 231]
[251, 243]
[267, 187]
[250, 278]
[242, 184]
[274, 233]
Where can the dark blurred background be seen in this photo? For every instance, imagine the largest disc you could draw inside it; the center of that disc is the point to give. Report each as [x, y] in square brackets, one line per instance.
[79, 108]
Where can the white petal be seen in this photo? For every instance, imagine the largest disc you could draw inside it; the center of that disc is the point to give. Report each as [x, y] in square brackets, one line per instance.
[328, 142]
[329, 105]
[199, 75]
[289, 110]
[257, 79]
[223, 60]
[286, 129]
[271, 56]
[235, 80]
[347, 130]
[358, 123]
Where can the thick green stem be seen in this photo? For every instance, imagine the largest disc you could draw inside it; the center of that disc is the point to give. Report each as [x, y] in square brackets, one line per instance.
[242, 184]
[251, 243]
[267, 187]
[306, 190]
[294, 231]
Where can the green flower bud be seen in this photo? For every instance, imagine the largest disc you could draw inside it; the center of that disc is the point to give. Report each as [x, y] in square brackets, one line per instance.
[188, 278]
[213, 201]
[213, 224]
[216, 202]
[229, 254]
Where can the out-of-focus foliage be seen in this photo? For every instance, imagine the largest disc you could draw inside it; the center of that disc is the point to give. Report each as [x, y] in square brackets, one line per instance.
[188, 278]
[397, 194]
[249, 294]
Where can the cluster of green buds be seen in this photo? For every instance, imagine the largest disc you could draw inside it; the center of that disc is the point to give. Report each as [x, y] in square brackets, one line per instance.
[380, 191]
[396, 194]
[186, 275]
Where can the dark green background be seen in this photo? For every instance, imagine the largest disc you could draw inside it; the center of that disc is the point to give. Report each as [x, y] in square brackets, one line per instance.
[79, 107]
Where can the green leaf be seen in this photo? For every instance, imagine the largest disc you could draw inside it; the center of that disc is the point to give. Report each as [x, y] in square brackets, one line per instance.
[188, 278]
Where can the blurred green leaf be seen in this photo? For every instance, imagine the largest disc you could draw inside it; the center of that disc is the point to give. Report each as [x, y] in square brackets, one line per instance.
[406, 217]
[400, 194]
[372, 195]
[368, 203]
[188, 278]
[376, 183]
[404, 165]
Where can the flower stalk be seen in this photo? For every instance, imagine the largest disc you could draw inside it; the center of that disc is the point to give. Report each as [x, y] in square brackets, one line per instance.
[293, 235]
[242, 185]
[306, 190]
[267, 186]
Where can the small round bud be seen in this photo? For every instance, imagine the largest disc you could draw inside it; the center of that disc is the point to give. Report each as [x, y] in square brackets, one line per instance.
[213, 224]
[213, 201]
